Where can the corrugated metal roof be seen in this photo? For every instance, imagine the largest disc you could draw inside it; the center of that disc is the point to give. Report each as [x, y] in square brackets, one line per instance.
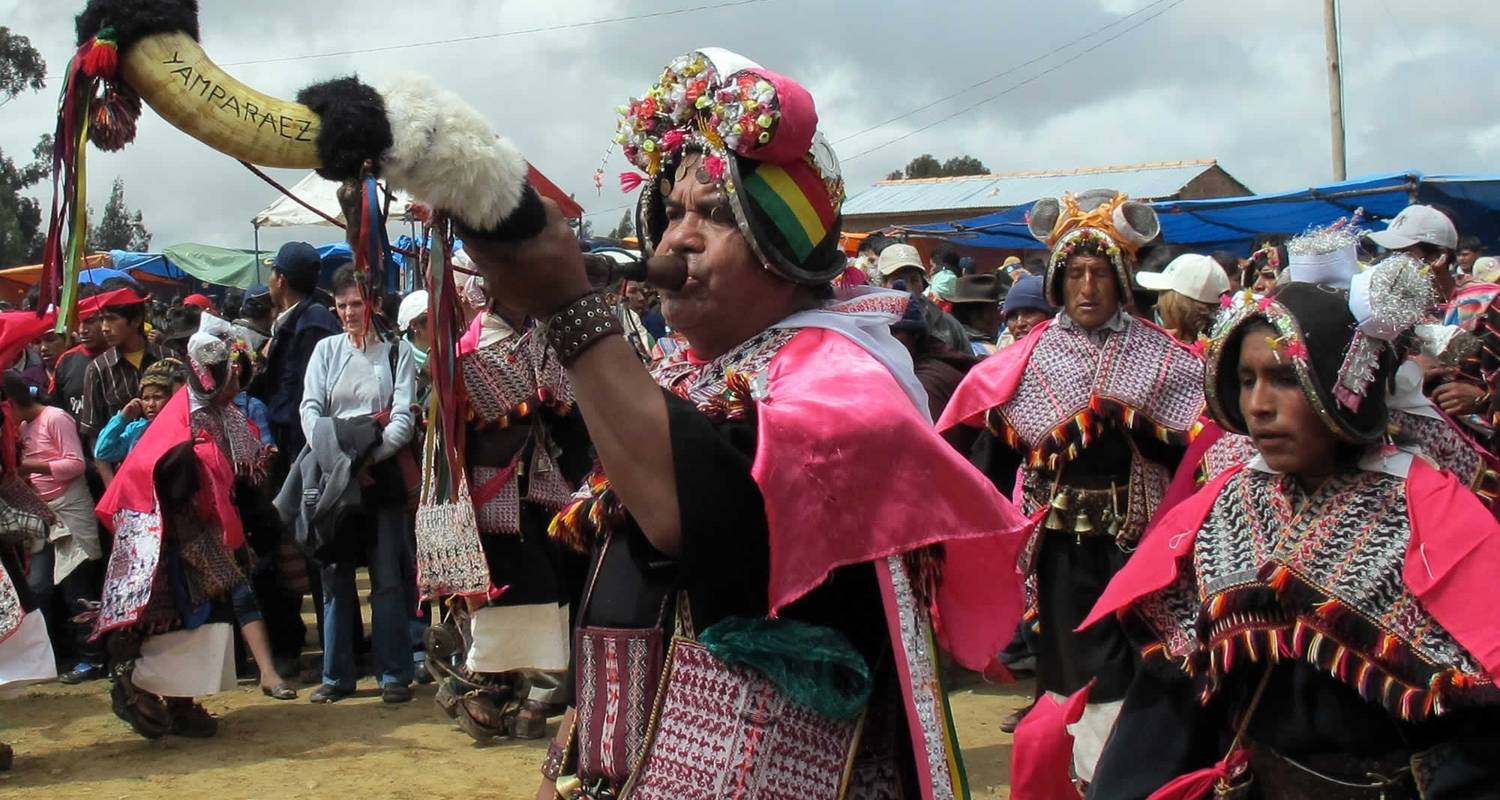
[1154, 180]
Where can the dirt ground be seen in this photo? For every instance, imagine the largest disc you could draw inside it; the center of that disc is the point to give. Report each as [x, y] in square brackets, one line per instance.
[68, 745]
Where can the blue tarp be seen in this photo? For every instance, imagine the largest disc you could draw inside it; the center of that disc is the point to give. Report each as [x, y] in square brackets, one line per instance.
[1232, 223]
[151, 263]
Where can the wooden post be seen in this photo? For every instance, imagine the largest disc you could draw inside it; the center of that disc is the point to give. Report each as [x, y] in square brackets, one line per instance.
[1335, 87]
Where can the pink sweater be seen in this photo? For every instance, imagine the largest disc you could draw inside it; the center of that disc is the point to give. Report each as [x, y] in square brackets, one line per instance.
[53, 438]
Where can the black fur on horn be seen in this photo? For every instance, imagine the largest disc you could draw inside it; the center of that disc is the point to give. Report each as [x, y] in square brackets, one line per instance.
[354, 128]
[133, 20]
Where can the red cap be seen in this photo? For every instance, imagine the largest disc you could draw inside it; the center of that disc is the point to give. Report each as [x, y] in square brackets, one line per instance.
[89, 306]
[198, 301]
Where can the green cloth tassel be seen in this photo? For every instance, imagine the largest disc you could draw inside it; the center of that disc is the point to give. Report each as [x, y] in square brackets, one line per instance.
[814, 666]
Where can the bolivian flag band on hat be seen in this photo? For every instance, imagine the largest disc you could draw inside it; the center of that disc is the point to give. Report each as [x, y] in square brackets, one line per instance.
[757, 133]
[795, 202]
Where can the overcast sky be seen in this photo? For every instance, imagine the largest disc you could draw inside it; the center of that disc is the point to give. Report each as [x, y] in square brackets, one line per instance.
[1242, 82]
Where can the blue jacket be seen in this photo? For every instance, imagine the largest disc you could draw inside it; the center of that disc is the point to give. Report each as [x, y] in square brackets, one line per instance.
[119, 437]
[255, 411]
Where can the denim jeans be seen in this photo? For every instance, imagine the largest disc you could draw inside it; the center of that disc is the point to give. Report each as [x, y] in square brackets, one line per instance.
[389, 552]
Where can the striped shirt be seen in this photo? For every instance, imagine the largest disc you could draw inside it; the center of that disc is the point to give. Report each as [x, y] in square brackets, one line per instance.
[110, 382]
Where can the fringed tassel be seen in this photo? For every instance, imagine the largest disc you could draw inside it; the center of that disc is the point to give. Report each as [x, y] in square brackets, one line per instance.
[1278, 578]
[102, 60]
[1330, 609]
[592, 511]
[630, 181]
[67, 229]
[1216, 607]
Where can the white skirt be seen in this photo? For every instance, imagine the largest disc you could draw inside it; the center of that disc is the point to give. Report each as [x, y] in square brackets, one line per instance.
[509, 638]
[26, 656]
[187, 663]
[80, 542]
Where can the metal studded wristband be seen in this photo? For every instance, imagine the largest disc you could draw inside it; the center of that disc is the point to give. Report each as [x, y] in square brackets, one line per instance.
[580, 325]
[552, 766]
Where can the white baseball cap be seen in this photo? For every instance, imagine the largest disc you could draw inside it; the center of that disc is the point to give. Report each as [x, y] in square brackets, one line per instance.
[1418, 225]
[412, 306]
[1198, 277]
[898, 257]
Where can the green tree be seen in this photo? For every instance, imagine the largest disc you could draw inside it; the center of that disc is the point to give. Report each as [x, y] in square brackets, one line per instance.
[924, 166]
[625, 228]
[21, 233]
[118, 229]
[964, 165]
[21, 66]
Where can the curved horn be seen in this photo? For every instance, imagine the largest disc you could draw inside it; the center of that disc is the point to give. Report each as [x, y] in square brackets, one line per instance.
[171, 72]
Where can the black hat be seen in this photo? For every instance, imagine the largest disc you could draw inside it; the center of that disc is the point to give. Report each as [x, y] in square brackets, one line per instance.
[1315, 329]
[298, 259]
[977, 289]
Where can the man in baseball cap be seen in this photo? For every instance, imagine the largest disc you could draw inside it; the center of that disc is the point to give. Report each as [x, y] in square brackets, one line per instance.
[1427, 234]
[200, 302]
[300, 325]
[1188, 293]
[1417, 225]
[902, 262]
[1194, 276]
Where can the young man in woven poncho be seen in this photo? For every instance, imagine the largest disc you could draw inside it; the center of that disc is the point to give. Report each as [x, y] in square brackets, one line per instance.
[1317, 622]
[1093, 408]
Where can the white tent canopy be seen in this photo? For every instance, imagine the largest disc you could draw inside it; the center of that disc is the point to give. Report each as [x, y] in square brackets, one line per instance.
[321, 194]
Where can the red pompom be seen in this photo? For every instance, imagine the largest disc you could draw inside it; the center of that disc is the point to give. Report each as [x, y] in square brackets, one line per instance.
[102, 61]
[630, 181]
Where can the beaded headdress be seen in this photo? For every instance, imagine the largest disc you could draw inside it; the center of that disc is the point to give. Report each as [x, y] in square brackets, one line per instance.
[1102, 220]
[757, 133]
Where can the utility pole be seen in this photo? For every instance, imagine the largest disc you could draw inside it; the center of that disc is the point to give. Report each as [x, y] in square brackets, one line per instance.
[1335, 86]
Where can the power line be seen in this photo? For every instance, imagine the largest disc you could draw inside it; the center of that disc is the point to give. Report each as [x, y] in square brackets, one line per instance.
[498, 35]
[503, 34]
[608, 210]
[1003, 73]
[1014, 87]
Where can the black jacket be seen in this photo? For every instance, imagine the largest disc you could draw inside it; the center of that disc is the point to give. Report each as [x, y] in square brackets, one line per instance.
[281, 386]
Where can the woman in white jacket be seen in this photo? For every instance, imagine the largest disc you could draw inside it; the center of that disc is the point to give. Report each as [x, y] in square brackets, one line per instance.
[351, 377]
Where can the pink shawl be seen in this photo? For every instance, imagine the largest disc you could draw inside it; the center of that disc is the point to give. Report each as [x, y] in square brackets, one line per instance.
[851, 472]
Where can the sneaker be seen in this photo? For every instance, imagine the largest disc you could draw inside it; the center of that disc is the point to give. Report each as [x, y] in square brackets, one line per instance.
[82, 672]
[328, 693]
[395, 693]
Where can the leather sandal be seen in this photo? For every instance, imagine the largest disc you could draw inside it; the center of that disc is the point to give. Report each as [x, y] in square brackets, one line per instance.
[279, 692]
[191, 720]
[481, 716]
[529, 721]
[145, 713]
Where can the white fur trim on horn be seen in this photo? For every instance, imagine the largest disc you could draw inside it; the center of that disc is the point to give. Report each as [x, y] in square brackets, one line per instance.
[444, 154]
